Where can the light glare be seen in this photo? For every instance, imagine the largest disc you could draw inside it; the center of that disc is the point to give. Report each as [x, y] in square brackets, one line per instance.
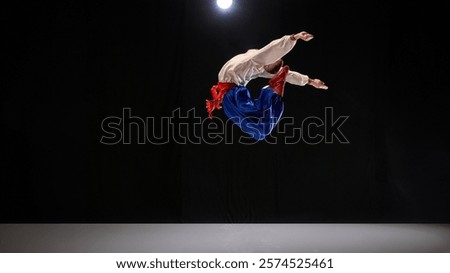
[224, 4]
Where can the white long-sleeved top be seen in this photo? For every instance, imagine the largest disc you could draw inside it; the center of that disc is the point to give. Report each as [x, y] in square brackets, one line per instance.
[247, 66]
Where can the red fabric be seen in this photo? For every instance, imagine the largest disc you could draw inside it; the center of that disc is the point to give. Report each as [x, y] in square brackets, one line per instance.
[217, 93]
[278, 81]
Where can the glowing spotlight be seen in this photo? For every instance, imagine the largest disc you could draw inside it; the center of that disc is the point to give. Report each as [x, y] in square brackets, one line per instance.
[224, 4]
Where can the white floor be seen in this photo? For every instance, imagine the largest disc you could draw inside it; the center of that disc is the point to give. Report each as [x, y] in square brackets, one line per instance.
[207, 238]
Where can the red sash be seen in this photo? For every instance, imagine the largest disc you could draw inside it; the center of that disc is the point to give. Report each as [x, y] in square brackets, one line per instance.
[217, 93]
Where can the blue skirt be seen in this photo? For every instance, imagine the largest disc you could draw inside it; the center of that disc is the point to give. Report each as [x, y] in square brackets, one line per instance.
[256, 117]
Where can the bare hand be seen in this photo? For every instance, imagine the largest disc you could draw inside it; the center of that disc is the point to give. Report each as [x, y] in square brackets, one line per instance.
[317, 84]
[305, 36]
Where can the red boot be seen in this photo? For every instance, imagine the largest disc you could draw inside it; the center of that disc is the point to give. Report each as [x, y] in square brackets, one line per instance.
[278, 81]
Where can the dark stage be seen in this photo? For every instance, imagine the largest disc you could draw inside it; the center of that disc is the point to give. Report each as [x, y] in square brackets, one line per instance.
[225, 238]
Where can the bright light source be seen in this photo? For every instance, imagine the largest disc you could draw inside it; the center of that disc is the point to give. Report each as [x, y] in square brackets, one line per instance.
[224, 4]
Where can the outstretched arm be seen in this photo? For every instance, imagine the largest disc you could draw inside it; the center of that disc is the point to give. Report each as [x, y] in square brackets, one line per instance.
[276, 49]
[273, 51]
[296, 78]
[317, 84]
[300, 79]
[305, 36]
[293, 77]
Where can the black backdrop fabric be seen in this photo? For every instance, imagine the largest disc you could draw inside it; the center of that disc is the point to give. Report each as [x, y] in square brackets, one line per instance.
[69, 65]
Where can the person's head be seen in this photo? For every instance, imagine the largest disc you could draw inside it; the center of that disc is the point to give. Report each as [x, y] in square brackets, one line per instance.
[274, 67]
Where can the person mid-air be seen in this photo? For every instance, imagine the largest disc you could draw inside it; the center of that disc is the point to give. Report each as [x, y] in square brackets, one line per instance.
[257, 117]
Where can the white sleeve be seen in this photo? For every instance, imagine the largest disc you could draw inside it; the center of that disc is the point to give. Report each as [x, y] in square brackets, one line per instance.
[274, 51]
[296, 78]
[266, 74]
[292, 77]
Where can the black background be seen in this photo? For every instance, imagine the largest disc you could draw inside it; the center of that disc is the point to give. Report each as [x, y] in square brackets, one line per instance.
[68, 65]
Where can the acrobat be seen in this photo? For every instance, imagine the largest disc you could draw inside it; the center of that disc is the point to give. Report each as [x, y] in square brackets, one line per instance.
[257, 117]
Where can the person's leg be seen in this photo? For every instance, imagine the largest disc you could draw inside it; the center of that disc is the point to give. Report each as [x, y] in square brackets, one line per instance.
[278, 81]
[271, 105]
[238, 103]
[256, 117]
